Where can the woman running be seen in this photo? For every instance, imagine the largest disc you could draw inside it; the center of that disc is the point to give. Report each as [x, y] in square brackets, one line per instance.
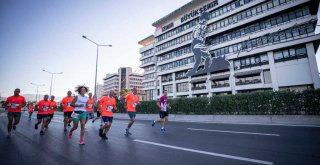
[79, 103]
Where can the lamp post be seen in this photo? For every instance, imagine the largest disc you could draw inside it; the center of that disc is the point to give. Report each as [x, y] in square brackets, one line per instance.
[37, 91]
[52, 73]
[98, 45]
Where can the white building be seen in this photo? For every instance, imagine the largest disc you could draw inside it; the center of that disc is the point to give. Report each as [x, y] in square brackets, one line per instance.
[100, 90]
[269, 44]
[125, 78]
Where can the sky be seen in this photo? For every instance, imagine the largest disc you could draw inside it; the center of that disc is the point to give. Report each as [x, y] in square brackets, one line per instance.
[46, 34]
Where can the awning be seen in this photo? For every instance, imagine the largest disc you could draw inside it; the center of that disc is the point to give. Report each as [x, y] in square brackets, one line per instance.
[250, 72]
[217, 77]
[198, 80]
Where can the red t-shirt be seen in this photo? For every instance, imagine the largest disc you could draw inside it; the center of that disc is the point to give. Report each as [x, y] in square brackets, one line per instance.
[90, 104]
[44, 107]
[66, 102]
[30, 108]
[53, 105]
[15, 102]
[132, 102]
[107, 105]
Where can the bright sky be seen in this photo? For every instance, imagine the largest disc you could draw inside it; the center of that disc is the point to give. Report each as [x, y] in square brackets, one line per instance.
[46, 34]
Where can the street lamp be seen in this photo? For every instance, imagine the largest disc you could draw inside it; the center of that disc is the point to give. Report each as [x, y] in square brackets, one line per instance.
[37, 85]
[98, 45]
[52, 73]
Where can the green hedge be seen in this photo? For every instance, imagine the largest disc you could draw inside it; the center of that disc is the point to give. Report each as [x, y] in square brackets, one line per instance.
[260, 103]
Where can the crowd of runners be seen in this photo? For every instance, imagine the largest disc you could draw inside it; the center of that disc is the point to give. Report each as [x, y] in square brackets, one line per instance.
[80, 109]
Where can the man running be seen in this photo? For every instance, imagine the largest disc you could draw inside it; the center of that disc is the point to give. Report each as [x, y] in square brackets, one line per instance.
[79, 103]
[163, 111]
[108, 103]
[132, 101]
[30, 110]
[53, 105]
[14, 104]
[42, 116]
[89, 108]
[67, 110]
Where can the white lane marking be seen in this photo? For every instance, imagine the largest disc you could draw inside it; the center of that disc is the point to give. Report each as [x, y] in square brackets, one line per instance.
[206, 153]
[250, 133]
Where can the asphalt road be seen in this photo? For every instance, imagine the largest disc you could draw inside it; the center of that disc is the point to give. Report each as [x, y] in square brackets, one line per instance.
[183, 143]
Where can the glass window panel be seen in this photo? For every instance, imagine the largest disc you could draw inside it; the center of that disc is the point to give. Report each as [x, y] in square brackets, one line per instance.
[301, 51]
[285, 53]
[278, 55]
[292, 52]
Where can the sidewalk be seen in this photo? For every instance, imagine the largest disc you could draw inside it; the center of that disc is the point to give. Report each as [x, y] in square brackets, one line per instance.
[233, 119]
[230, 119]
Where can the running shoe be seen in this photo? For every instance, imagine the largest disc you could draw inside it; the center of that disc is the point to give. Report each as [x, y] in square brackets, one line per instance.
[153, 123]
[81, 142]
[70, 134]
[104, 137]
[93, 121]
[127, 132]
[35, 126]
[100, 132]
[41, 133]
[65, 130]
[163, 130]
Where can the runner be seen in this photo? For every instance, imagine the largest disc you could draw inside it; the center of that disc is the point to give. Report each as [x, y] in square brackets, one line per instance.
[79, 103]
[53, 105]
[98, 113]
[42, 116]
[14, 104]
[30, 110]
[89, 108]
[132, 101]
[108, 103]
[67, 110]
[163, 111]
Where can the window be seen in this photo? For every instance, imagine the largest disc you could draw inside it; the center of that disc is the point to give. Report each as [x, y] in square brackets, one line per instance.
[285, 53]
[270, 4]
[278, 55]
[292, 52]
[301, 51]
[267, 76]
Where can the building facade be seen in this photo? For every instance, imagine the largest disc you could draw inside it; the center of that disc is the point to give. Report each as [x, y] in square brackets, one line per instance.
[124, 79]
[269, 44]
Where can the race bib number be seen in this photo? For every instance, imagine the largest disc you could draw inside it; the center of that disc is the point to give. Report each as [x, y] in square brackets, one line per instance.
[74, 115]
[134, 104]
[69, 105]
[109, 108]
[45, 108]
[89, 105]
[14, 105]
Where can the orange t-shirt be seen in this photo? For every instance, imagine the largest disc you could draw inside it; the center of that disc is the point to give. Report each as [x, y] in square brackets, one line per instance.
[107, 105]
[90, 104]
[53, 105]
[30, 108]
[44, 107]
[132, 102]
[66, 102]
[15, 102]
